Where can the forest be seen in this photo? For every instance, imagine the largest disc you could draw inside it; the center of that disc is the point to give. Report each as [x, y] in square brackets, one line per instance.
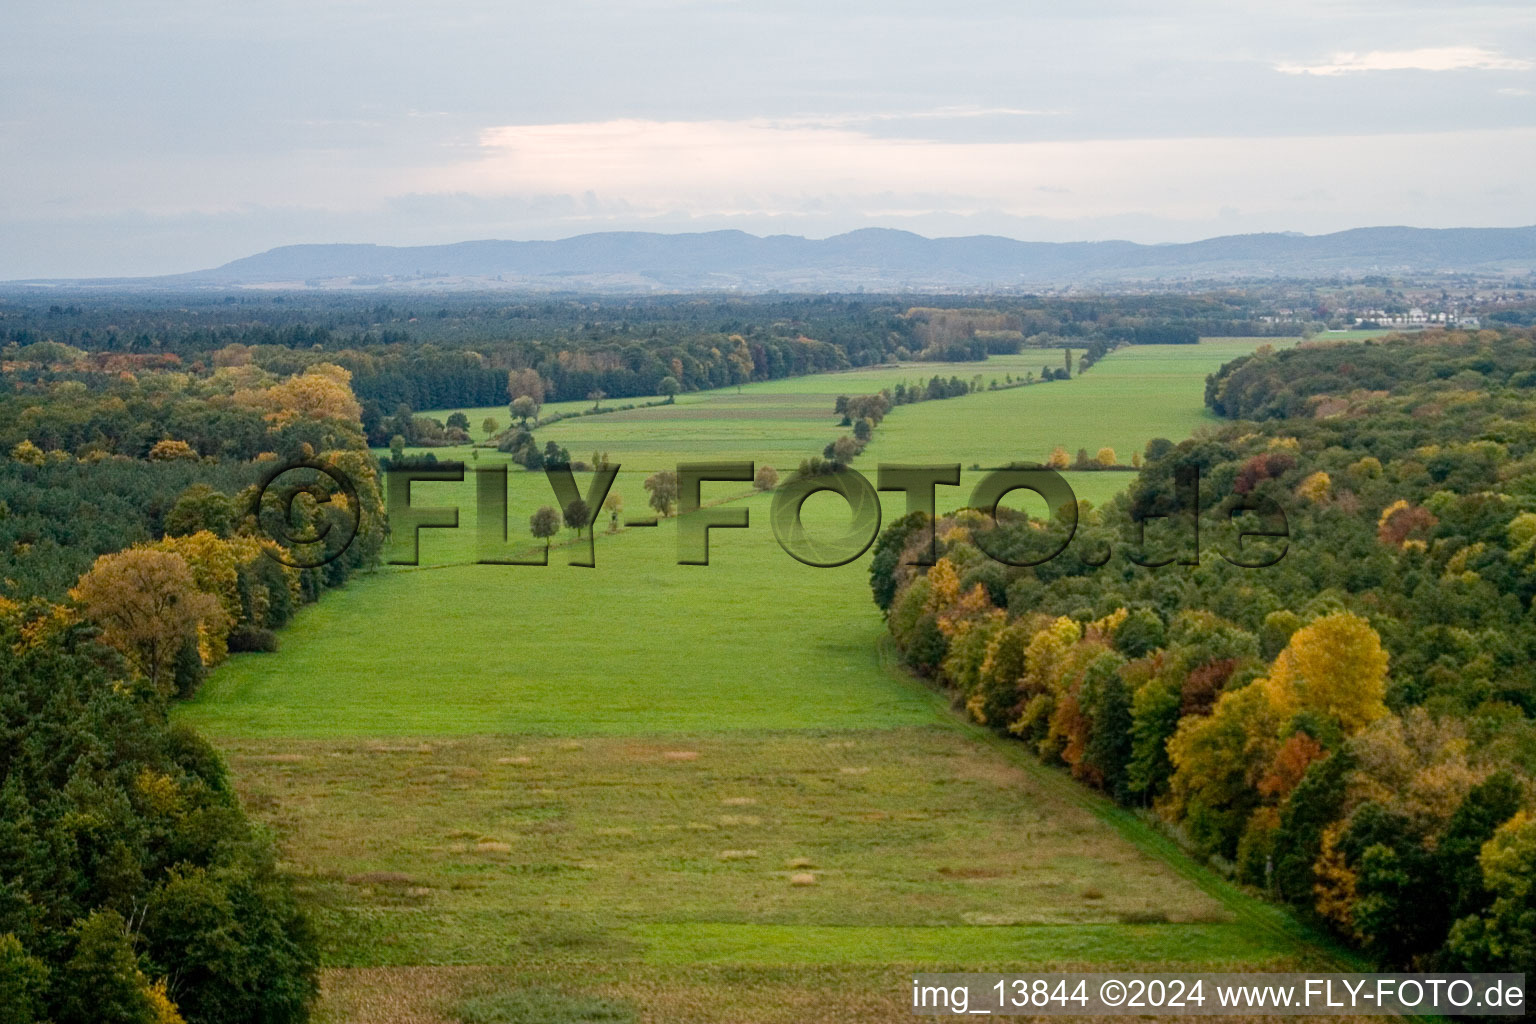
[1351, 729]
[457, 351]
[133, 888]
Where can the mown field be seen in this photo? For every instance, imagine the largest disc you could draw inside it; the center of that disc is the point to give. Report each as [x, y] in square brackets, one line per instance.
[655, 792]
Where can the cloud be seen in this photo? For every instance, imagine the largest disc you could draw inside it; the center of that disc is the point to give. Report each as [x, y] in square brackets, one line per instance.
[768, 167]
[1435, 58]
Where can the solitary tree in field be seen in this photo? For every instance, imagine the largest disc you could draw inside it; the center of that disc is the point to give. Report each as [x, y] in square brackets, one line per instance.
[669, 387]
[663, 491]
[524, 408]
[597, 395]
[544, 523]
[1067, 353]
[767, 478]
[489, 426]
[459, 420]
[397, 447]
[1106, 458]
[614, 504]
[577, 515]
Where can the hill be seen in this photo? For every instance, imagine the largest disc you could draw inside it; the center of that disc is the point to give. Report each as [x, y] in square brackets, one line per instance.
[872, 258]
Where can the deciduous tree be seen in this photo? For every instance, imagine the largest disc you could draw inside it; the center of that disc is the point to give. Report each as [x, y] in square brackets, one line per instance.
[662, 487]
[544, 523]
[147, 606]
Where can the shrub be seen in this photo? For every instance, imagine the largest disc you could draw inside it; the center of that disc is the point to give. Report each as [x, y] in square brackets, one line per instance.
[252, 639]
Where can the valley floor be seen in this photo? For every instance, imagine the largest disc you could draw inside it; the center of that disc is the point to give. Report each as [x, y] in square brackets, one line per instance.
[674, 793]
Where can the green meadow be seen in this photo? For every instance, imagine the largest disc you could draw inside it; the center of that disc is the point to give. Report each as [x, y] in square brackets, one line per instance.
[702, 792]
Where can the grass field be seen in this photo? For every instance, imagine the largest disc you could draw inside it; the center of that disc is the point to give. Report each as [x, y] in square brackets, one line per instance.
[691, 793]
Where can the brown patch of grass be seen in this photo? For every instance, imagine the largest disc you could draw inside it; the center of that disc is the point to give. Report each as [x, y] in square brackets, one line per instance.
[521, 759]
[681, 755]
[1092, 894]
[971, 871]
[802, 878]
[1143, 917]
[738, 801]
[736, 855]
[398, 878]
[492, 846]
[394, 995]
[384, 748]
[799, 862]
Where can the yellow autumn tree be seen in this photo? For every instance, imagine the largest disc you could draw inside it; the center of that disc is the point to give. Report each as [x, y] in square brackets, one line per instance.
[148, 606]
[1316, 487]
[1046, 656]
[28, 453]
[215, 564]
[1059, 458]
[943, 587]
[1335, 888]
[160, 1004]
[1335, 665]
[172, 450]
[1218, 762]
[320, 393]
[1106, 458]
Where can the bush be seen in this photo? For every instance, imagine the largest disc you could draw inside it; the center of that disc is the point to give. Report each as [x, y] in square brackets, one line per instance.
[252, 640]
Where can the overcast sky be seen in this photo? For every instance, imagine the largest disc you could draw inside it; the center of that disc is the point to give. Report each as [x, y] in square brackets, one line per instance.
[141, 137]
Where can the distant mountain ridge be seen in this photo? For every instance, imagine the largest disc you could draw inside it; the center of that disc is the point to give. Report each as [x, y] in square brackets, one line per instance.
[870, 258]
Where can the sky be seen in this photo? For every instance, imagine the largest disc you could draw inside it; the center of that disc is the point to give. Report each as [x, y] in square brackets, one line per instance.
[140, 137]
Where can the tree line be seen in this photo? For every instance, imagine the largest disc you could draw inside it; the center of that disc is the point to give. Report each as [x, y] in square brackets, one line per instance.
[132, 887]
[1351, 730]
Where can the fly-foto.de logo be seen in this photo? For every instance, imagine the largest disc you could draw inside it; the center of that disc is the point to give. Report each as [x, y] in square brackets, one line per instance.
[1248, 518]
